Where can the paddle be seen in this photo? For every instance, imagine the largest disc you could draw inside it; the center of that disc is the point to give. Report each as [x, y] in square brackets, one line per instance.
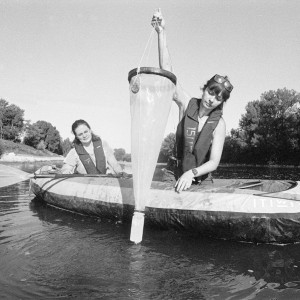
[9, 175]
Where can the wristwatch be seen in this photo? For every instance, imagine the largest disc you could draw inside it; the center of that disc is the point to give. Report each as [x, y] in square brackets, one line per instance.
[195, 172]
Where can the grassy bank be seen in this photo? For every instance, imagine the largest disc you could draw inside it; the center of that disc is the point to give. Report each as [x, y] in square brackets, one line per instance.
[19, 149]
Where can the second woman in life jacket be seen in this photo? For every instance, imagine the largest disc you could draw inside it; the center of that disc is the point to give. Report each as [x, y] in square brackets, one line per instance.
[201, 130]
[90, 154]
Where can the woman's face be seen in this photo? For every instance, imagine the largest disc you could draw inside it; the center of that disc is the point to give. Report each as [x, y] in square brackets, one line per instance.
[84, 134]
[210, 100]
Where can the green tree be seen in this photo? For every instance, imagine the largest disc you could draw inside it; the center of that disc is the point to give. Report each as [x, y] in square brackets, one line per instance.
[41, 145]
[46, 132]
[119, 153]
[235, 149]
[271, 127]
[66, 146]
[11, 121]
[1, 118]
[32, 135]
[53, 140]
[167, 148]
[168, 145]
[2, 148]
[127, 157]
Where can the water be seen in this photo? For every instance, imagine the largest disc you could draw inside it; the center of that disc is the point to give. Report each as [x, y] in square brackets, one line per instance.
[48, 253]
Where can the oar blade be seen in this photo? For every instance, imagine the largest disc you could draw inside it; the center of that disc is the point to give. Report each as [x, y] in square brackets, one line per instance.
[9, 175]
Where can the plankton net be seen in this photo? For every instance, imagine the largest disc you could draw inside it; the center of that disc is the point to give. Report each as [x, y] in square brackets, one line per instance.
[151, 94]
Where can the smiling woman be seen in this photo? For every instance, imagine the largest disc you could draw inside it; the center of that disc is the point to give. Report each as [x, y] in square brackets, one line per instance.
[90, 155]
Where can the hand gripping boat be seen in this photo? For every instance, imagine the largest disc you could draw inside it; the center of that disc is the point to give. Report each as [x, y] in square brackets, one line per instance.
[260, 211]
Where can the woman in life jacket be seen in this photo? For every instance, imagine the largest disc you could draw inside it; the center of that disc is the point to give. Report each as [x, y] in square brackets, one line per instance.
[90, 154]
[201, 130]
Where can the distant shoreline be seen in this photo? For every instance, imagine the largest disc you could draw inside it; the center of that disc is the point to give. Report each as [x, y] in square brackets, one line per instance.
[12, 157]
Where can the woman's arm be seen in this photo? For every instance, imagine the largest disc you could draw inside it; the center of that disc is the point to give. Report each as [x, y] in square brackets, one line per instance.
[69, 163]
[158, 22]
[185, 181]
[181, 98]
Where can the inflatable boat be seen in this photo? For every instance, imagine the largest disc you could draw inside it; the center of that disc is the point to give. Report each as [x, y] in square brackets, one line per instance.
[259, 211]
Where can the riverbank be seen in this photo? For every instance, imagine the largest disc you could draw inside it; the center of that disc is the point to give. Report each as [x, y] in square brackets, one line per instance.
[18, 152]
[12, 157]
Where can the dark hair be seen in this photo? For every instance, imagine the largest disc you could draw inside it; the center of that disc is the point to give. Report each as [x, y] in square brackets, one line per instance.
[217, 88]
[78, 123]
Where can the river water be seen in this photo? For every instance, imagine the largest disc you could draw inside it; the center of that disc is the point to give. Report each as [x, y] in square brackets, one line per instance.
[48, 253]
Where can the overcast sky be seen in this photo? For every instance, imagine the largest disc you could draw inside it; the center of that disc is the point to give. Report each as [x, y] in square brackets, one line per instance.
[64, 60]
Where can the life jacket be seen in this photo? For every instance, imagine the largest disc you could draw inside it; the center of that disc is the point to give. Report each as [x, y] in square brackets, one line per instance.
[193, 147]
[86, 160]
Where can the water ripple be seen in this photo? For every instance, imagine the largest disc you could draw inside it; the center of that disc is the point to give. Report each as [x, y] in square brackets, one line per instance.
[48, 253]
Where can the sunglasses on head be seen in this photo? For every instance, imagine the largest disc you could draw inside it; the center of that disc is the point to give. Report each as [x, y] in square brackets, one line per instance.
[225, 82]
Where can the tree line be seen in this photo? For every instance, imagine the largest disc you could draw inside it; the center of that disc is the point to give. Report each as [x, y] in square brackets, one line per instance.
[268, 132]
[40, 135]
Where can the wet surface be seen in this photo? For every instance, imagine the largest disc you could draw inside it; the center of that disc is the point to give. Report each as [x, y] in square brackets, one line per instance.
[48, 253]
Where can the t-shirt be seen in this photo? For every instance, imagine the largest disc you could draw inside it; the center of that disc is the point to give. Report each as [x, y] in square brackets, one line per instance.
[201, 122]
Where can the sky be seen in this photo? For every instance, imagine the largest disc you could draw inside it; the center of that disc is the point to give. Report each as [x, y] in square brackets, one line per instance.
[63, 60]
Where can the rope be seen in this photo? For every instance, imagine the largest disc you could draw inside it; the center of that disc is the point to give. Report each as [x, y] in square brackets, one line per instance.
[149, 40]
[149, 48]
[139, 65]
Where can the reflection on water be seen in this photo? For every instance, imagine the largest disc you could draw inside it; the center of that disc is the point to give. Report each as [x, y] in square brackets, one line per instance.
[48, 253]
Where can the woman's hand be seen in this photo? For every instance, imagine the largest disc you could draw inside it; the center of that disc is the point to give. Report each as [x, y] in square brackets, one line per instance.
[158, 21]
[185, 181]
[67, 169]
